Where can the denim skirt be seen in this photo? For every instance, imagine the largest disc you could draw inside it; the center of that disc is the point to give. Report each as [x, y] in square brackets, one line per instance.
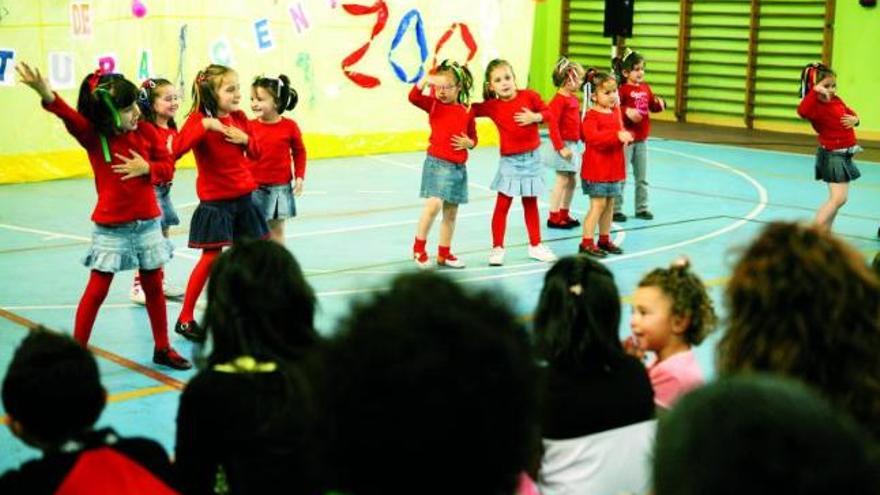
[275, 202]
[520, 175]
[137, 245]
[445, 180]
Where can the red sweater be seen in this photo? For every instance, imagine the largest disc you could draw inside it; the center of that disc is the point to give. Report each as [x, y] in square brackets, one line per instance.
[515, 139]
[642, 99]
[119, 201]
[223, 169]
[603, 158]
[825, 118]
[277, 142]
[446, 120]
[567, 115]
[166, 135]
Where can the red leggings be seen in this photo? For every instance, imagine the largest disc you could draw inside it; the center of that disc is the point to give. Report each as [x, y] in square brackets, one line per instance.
[499, 219]
[96, 292]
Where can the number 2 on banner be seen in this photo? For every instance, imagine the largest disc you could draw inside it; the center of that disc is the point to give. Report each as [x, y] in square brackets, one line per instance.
[381, 10]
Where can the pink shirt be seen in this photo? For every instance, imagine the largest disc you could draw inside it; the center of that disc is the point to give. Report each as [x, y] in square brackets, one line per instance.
[674, 377]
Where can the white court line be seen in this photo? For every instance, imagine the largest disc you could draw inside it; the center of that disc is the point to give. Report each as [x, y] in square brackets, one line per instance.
[59, 235]
[758, 208]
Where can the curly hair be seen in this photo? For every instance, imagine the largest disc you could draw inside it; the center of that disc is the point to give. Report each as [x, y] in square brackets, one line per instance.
[689, 299]
[802, 303]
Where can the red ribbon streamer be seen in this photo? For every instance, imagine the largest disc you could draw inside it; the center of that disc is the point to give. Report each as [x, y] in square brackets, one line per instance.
[466, 37]
[381, 10]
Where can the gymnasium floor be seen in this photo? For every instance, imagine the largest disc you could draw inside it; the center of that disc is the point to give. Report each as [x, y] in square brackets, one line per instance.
[355, 230]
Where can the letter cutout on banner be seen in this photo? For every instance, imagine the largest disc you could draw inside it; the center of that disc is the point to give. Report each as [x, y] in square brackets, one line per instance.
[81, 19]
[107, 63]
[61, 73]
[466, 37]
[145, 66]
[381, 10]
[420, 39]
[264, 36]
[7, 64]
[298, 15]
[221, 53]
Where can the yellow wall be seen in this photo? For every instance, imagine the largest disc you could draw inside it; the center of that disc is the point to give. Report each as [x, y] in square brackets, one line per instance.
[338, 117]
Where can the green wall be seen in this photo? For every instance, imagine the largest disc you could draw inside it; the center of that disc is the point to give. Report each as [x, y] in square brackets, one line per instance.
[854, 58]
[856, 38]
[545, 46]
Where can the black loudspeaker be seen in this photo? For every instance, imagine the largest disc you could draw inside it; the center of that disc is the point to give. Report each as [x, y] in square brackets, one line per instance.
[619, 18]
[868, 3]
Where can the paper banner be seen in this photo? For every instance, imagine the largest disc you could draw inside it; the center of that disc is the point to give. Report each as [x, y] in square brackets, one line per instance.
[7, 67]
[263, 35]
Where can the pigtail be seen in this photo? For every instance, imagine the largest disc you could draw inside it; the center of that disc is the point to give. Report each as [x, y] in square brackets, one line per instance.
[811, 75]
[196, 93]
[287, 96]
[588, 90]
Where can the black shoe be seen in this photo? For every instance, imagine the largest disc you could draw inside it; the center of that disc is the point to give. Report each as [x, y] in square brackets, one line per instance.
[645, 215]
[592, 251]
[169, 357]
[557, 225]
[190, 331]
[619, 216]
[610, 248]
[572, 222]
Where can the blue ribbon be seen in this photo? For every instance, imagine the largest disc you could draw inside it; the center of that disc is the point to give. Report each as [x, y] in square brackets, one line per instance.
[420, 38]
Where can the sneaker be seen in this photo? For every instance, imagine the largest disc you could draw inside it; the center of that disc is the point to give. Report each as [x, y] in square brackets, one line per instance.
[172, 291]
[558, 225]
[645, 215]
[450, 261]
[190, 331]
[610, 248]
[592, 251]
[496, 256]
[169, 357]
[572, 222]
[619, 216]
[421, 259]
[137, 294]
[541, 252]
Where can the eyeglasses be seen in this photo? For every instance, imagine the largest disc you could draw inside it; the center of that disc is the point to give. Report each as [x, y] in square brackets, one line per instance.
[446, 87]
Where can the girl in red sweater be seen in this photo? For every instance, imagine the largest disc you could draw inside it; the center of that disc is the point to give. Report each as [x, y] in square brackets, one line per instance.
[127, 234]
[568, 147]
[444, 176]
[219, 135]
[834, 122]
[158, 103]
[516, 113]
[279, 139]
[603, 170]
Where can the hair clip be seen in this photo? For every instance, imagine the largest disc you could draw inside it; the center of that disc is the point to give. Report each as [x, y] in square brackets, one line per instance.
[576, 289]
[95, 78]
[681, 261]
